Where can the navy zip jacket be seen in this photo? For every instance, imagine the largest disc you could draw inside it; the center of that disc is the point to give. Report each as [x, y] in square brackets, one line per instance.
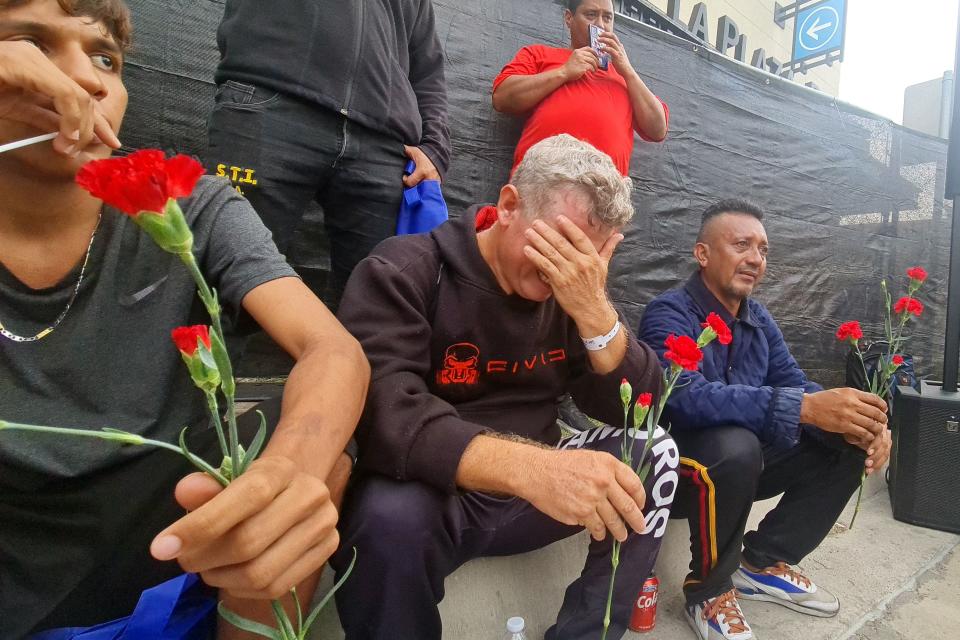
[377, 62]
[752, 383]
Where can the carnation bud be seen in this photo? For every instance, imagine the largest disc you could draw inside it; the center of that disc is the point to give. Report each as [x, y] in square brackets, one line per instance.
[641, 409]
[626, 392]
[194, 345]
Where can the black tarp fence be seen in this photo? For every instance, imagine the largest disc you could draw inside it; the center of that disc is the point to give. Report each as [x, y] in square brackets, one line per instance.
[850, 197]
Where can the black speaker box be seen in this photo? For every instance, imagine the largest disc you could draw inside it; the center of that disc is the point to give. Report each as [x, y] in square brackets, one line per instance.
[925, 461]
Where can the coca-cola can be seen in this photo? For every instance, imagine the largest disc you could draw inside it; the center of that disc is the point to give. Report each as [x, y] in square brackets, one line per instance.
[644, 616]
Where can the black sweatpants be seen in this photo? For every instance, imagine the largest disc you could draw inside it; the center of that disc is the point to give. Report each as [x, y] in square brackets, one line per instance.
[282, 153]
[410, 536]
[724, 470]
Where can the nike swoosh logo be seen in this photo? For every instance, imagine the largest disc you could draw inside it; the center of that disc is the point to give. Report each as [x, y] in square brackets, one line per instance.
[131, 299]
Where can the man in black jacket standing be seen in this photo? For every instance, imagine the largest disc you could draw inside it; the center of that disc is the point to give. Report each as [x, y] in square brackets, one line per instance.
[326, 101]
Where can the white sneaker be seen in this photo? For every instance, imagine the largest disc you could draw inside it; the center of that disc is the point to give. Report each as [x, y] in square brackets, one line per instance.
[719, 618]
[786, 586]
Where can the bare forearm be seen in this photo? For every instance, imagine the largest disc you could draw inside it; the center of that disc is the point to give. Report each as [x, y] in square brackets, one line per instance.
[322, 402]
[496, 465]
[648, 114]
[520, 94]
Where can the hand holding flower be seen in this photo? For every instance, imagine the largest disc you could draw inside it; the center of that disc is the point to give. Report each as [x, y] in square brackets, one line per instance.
[262, 535]
[846, 411]
[878, 451]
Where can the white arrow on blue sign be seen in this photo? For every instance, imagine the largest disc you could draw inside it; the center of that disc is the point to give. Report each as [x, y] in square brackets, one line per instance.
[819, 29]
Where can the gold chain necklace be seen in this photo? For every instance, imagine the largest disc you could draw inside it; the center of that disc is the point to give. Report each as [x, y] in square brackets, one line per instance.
[63, 314]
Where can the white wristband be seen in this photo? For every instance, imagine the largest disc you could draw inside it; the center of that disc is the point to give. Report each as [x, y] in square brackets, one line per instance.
[601, 342]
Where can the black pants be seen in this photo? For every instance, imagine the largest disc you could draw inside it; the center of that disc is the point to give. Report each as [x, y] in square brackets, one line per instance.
[724, 470]
[77, 552]
[410, 536]
[281, 153]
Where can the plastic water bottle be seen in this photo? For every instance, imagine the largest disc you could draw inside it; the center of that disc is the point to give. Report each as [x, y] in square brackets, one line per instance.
[515, 626]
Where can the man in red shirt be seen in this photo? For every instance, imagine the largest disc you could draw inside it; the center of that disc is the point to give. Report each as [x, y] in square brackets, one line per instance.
[566, 91]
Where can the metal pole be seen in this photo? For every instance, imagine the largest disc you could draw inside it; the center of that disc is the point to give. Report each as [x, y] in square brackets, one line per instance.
[951, 346]
[946, 103]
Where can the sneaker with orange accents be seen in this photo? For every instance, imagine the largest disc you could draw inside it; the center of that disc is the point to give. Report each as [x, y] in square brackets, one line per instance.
[784, 585]
[719, 618]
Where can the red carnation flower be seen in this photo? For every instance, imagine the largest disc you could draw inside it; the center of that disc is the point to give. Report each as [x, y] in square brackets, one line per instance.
[644, 399]
[908, 305]
[715, 322]
[683, 352]
[898, 359]
[186, 338]
[849, 331]
[142, 181]
[917, 273]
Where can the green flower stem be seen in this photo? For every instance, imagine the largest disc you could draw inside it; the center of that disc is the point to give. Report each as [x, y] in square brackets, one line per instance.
[624, 452]
[653, 418]
[217, 420]
[880, 382]
[614, 561]
[209, 299]
[114, 435]
[863, 365]
[856, 509]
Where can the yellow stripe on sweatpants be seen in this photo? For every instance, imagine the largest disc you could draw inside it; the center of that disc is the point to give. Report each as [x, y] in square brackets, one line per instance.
[711, 505]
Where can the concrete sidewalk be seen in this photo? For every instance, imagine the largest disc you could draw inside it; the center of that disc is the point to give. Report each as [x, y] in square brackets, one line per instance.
[895, 582]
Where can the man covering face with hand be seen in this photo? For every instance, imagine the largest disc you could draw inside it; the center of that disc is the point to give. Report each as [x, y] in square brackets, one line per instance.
[472, 339]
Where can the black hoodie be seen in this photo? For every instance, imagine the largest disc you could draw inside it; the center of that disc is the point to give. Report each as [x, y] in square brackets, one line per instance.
[454, 356]
[377, 62]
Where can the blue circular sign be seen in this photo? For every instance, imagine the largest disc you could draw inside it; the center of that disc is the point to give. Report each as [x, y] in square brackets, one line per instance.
[818, 28]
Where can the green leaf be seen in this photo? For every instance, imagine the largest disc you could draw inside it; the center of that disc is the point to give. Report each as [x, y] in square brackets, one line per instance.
[313, 614]
[206, 356]
[222, 358]
[286, 627]
[296, 601]
[198, 462]
[644, 471]
[256, 445]
[247, 625]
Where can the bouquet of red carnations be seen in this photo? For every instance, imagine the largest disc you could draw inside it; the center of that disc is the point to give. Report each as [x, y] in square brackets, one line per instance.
[879, 380]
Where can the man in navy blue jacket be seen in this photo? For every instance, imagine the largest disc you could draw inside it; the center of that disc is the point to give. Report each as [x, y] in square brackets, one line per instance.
[751, 426]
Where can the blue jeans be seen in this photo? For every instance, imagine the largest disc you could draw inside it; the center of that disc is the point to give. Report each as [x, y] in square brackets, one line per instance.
[282, 153]
[410, 536]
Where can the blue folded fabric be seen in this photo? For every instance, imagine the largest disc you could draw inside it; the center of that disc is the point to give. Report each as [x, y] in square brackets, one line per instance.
[422, 207]
[179, 609]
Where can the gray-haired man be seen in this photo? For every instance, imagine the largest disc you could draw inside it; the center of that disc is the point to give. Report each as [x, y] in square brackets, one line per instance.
[472, 338]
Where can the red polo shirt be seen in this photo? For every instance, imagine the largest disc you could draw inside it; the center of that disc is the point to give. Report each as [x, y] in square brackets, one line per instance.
[596, 108]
